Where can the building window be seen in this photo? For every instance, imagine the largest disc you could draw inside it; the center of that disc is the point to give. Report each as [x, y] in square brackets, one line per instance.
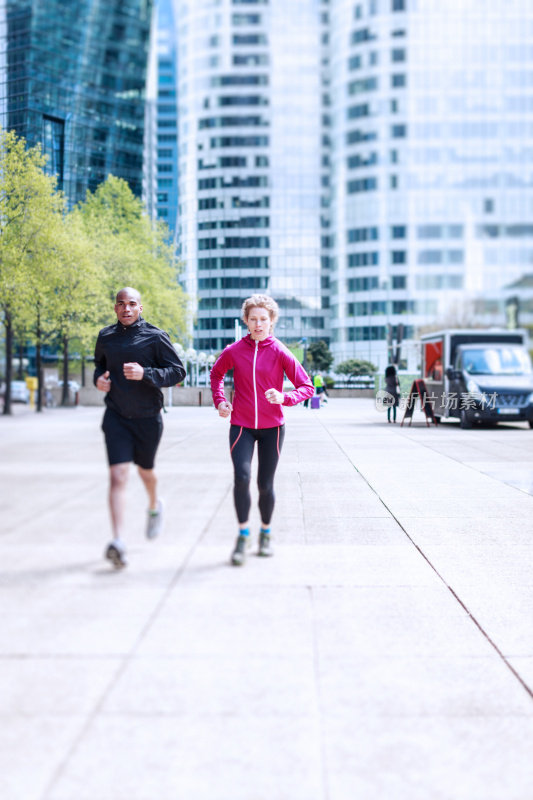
[358, 161]
[239, 141]
[398, 54]
[398, 232]
[251, 60]
[429, 231]
[399, 281]
[250, 38]
[398, 131]
[54, 147]
[239, 80]
[399, 5]
[207, 203]
[357, 136]
[246, 19]
[363, 85]
[361, 110]
[242, 100]
[362, 185]
[398, 80]
[362, 284]
[430, 257]
[362, 35]
[398, 257]
[362, 235]
[402, 306]
[363, 259]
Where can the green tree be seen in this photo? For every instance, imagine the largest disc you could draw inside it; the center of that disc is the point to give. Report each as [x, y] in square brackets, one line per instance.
[79, 292]
[319, 355]
[29, 207]
[133, 250]
[354, 367]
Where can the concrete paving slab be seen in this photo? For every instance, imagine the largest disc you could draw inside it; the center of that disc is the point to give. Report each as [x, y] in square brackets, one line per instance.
[186, 685]
[384, 652]
[32, 749]
[421, 758]
[221, 758]
[468, 686]
[394, 621]
[459, 531]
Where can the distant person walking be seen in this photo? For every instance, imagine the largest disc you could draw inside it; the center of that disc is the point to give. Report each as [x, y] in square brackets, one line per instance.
[320, 387]
[392, 386]
[259, 362]
[133, 360]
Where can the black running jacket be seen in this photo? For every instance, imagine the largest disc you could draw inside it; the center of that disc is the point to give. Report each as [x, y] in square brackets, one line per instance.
[151, 348]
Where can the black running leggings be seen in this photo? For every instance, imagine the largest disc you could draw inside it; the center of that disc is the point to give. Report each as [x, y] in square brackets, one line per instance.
[269, 444]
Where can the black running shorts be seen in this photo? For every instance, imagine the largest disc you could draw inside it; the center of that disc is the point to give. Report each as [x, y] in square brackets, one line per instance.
[134, 440]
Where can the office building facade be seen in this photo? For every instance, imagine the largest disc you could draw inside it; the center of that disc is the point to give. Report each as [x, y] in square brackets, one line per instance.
[431, 197]
[166, 116]
[72, 78]
[250, 155]
[366, 162]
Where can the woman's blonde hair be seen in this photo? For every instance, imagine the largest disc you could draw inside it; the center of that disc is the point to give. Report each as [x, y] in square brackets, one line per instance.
[260, 301]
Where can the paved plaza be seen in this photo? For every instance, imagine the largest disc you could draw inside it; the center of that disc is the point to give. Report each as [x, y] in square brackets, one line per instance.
[384, 653]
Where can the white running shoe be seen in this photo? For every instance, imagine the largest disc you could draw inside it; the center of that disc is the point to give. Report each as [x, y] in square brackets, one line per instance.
[116, 553]
[154, 523]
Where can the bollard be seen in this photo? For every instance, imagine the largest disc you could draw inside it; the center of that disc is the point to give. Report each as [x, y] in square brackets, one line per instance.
[200, 397]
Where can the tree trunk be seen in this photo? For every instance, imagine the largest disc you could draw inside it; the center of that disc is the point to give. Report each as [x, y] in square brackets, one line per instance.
[64, 393]
[20, 372]
[9, 361]
[39, 370]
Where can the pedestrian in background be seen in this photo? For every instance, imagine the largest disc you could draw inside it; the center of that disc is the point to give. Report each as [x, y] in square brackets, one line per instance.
[259, 362]
[392, 386]
[133, 360]
[320, 387]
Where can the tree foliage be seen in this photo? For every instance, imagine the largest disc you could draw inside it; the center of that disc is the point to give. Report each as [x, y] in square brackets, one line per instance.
[30, 211]
[354, 367]
[320, 356]
[60, 271]
[133, 250]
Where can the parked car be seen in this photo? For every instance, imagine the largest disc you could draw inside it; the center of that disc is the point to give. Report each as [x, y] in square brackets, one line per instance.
[19, 392]
[479, 375]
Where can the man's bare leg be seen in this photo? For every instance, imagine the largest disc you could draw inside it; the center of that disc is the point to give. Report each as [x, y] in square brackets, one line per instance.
[117, 497]
[154, 524]
[149, 479]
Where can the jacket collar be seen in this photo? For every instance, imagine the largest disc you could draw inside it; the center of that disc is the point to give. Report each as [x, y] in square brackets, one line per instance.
[133, 327]
[265, 343]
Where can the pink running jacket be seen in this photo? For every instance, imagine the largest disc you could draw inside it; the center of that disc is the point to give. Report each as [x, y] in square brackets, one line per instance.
[259, 366]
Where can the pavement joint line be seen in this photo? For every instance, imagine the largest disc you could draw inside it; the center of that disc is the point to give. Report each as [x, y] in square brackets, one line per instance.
[52, 508]
[495, 647]
[467, 464]
[318, 685]
[302, 504]
[126, 657]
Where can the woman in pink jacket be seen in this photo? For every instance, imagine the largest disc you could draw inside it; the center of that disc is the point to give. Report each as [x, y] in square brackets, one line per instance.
[259, 362]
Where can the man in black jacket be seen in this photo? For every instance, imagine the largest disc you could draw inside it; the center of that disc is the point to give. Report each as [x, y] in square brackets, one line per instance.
[133, 360]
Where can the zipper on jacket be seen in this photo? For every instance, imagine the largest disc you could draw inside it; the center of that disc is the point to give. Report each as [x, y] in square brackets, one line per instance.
[255, 384]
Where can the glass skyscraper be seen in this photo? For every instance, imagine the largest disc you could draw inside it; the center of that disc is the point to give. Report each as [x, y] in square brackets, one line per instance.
[72, 78]
[250, 108]
[366, 162]
[432, 153]
[166, 116]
